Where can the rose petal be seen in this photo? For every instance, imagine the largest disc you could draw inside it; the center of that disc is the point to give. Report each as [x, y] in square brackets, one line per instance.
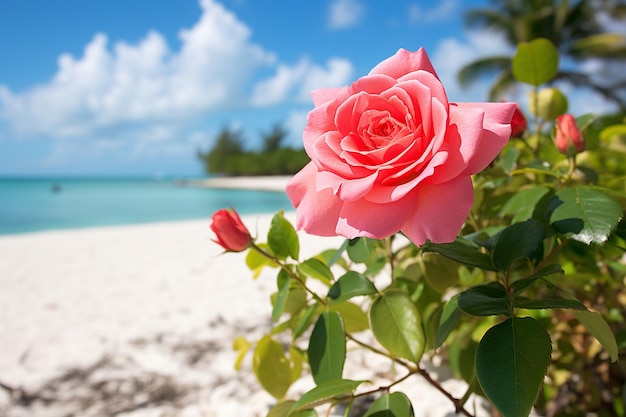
[378, 221]
[496, 132]
[440, 211]
[373, 84]
[317, 211]
[404, 62]
[349, 112]
[430, 81]
[463, 137]
[324, 95]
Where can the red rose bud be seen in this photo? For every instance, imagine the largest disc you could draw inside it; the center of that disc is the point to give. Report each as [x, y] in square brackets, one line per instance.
[230, 232]
[569, 140]
[518, 123]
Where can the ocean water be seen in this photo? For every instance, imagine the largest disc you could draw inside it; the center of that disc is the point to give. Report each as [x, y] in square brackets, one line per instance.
[35, 204]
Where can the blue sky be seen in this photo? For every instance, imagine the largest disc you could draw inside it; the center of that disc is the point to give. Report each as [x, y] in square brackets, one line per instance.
[135, 87]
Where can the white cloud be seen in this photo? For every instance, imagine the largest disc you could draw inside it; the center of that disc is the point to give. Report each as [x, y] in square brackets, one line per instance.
[300, 79]
[345, 14]
[441, 11]
[140, 83]
[124, 99]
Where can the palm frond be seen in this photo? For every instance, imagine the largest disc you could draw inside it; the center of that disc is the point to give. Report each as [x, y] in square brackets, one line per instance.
[604, 45]
[490, 19]
[502, 85]
[483, 67]
[584, 80]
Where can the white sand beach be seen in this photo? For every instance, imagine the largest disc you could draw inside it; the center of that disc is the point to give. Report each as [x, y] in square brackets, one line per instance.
[139, 321]
[262, 183]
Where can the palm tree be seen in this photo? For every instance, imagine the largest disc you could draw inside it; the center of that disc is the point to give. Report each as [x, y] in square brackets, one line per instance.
[574, 28]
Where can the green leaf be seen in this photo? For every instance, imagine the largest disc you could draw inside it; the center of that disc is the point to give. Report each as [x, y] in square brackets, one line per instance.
[349, 285]
[296, 300]
[322, 393]
[518, 241]
[584, 214]
[337, 254]
[396, 404]
[449, 318]
[461, 252]
[509, 159]
[485, 300]
[327, 348]
[440, 272]
[511, 361]
[397, 325]
[613, 132]
[304, 321]
[375, 264]
[520, 285]
[600, 329]
[523, 302]
[462, 358]
[316, 269]
[241, 345]
[284, 409]
[359, 249]
[296, 359]
[255, 261]
[282, 238]
[271, 367]
[354, 319]
[535, 62]
[523, 203]
[281, 298]
[584, 121]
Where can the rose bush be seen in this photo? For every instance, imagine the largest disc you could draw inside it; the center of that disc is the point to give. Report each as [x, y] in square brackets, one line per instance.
[390, 153]
[527, 304]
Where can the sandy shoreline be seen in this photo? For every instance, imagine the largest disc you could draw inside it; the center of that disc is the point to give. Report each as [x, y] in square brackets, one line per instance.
[139, 321]
[157, 304]
[260, 183]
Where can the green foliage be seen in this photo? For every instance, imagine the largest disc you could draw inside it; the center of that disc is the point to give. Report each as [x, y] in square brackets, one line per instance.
[576, 30]
[536, 62]
[229, 157]
[387, 405]
[397, 325]
[271, 367]
[327, 348]
[324, 392]
[511, 361]
[282, 238]
[524, 305]
[584, 214]
[349, 285]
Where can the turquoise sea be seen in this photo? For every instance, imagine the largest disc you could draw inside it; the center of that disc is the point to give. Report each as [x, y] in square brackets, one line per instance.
[35, 204]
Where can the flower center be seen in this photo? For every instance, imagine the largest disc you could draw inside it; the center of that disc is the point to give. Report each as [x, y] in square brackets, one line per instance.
[378, 128]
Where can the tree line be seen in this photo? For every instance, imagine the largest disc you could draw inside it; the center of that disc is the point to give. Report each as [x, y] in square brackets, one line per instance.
[229, 156]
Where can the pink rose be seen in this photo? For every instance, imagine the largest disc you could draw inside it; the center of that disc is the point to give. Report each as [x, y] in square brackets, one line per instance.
[230, 232]
[389, 154]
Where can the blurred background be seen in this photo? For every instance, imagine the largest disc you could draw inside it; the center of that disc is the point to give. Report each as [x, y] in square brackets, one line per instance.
[139, 88]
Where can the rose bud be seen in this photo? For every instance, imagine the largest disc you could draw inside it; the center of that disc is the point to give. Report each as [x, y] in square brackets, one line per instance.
[230, 232]
[518, 123]
[569, 140]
